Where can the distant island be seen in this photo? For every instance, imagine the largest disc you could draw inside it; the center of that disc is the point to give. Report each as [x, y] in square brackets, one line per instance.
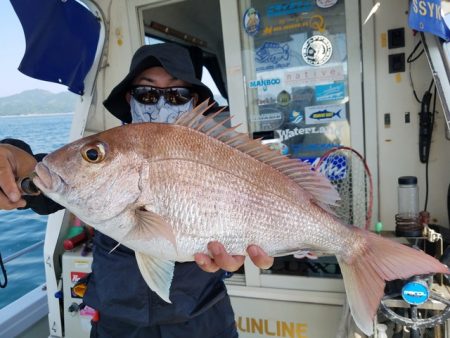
[37, 101]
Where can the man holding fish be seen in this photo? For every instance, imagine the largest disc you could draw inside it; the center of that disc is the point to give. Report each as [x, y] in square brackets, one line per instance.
[160, 86]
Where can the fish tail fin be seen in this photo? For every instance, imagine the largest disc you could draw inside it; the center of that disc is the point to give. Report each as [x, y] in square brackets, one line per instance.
[381, 260]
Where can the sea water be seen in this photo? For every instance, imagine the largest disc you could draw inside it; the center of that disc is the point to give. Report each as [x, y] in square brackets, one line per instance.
[22, 228]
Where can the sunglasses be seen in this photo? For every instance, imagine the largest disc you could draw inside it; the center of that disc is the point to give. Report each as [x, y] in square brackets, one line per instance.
[150, 95]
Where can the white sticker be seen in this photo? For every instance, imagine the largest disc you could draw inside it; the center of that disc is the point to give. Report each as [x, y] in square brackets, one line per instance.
[326, 3]
[317, 50]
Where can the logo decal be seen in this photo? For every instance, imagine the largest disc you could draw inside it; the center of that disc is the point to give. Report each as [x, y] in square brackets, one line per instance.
[284, 98]
[269, 118]
[326, 3]
[290, 7]
[286, 134]
[263, 83]
[317, 50]
[325, 114]
[295, 117]
[415, 292]
[272, 52]
[330, 92]
[314, 75]
[251, 21]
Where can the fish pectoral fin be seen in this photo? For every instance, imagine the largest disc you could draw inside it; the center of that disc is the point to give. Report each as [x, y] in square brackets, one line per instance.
[150, 226]
[157, 273]
[305, 254]
[311, 253]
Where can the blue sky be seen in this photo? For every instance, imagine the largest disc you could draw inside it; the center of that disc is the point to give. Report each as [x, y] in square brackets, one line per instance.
[11, 52]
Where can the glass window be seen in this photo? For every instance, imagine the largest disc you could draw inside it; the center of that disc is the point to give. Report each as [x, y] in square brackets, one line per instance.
[296, 77]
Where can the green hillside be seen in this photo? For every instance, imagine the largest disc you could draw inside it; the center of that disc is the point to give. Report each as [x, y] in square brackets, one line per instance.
[37, 101]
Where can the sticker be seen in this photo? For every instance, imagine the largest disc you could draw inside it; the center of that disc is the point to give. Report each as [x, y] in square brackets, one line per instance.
[283, 98]
[331, 130]
[81, 264]
[330, 92]
[303, 96]
[76, 276]
[383, 40]
[317, 50]
[272, 52]
[325, 114]
[314, 22]
[314, 75]
[295, 117]
[415, 293]
[264, 83]
[290, 7]
[77, 291]
[251, 21]
[326, 3]
[276, 145]
[269, 119]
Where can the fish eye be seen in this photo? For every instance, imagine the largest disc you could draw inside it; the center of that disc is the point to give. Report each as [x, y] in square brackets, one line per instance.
[94, 152]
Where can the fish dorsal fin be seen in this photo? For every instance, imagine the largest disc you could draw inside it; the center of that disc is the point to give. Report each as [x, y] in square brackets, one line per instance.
[313, 182]
[157, 273]
[150, 226]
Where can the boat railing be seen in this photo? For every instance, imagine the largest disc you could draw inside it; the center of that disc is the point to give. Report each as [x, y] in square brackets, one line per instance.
[23, 251]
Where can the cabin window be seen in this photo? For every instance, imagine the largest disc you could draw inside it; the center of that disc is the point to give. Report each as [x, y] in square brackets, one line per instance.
[294, 58]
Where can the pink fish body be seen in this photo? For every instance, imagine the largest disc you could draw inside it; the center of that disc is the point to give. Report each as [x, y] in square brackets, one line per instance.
[166, 190]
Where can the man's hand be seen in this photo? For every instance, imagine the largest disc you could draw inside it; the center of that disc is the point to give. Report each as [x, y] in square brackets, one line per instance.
[222, 260]
[14, 162]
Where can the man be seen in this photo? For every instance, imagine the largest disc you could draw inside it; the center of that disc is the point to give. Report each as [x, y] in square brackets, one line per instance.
[159, 87]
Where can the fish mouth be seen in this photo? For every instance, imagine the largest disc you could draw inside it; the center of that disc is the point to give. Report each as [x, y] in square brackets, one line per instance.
[47, 181]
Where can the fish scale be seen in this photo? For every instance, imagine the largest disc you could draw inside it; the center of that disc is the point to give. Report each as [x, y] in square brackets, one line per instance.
[212, 217]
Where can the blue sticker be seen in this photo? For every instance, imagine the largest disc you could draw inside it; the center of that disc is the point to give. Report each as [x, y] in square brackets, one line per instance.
[272, 52]
[290, 7]
[251, 21]
[330, 92]
[415, 293]
[264, 83]
[325, 114]
[326, 3]
[295, 117]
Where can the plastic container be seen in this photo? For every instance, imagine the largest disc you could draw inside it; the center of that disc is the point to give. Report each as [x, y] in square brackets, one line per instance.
[408, 197]
[382, 331]
[407, 220]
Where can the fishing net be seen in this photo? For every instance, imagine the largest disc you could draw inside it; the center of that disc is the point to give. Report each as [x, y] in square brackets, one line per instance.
[349, 174]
